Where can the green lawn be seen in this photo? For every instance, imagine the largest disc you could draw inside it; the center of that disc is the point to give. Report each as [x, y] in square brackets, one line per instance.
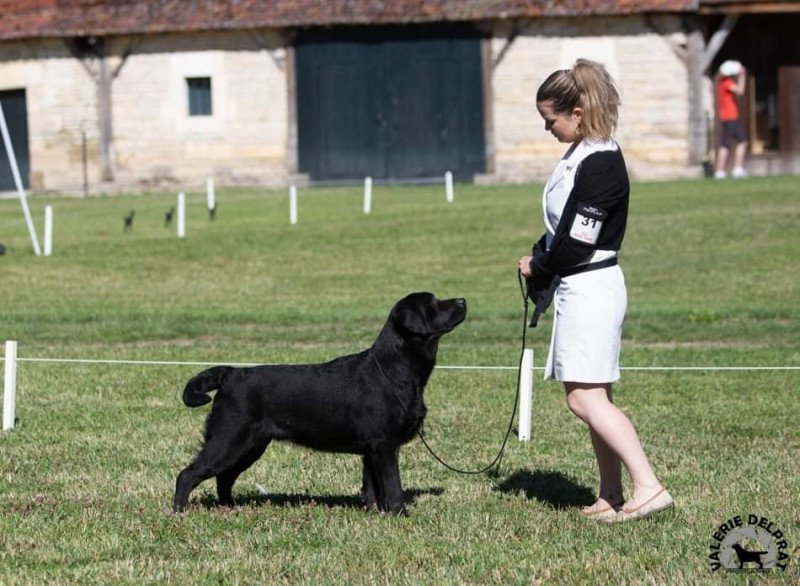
[86, 478]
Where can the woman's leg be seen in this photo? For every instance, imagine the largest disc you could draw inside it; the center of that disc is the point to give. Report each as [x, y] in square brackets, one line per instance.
[614, 435]
[610, 467]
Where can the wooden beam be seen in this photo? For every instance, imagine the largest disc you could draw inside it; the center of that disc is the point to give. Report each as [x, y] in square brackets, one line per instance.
[753, 8]
[718, 39]
[105, 119]
[695, 73]
[487, 70]
[677, 48]
[789, 110]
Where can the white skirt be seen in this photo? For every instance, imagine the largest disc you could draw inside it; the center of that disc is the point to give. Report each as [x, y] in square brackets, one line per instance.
[587, 327]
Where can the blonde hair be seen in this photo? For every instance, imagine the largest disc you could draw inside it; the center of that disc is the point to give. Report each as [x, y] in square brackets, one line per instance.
[587, 86]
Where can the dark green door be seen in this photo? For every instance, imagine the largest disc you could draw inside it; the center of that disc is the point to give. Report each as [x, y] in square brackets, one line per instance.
[390, 103]
[16, 114]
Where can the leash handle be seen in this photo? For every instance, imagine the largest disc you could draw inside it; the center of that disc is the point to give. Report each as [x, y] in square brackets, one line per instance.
[498, 458]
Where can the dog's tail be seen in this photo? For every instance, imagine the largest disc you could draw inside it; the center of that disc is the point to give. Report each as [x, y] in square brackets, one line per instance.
[195, 393]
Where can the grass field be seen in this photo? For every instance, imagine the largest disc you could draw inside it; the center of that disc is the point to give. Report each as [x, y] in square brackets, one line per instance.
[87, 476]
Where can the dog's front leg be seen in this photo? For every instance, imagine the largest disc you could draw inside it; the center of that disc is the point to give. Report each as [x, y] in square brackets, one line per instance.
[387, 473]
[368, 483]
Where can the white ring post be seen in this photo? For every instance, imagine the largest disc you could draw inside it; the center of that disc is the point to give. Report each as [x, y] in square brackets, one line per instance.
[293, 205]
[210, 197]
[48, 230]
[367, 195]
[181, 215]
[10, 385]
[448, 186]
[525, 394]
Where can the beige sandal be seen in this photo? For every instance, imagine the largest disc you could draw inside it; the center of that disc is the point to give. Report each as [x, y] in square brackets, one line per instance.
[604, 513]
[661, 501]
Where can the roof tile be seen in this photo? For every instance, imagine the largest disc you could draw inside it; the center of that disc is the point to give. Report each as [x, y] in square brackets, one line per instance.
[49, 18]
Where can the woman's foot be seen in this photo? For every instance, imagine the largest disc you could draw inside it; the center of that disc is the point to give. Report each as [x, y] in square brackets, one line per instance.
[644, 504]
[642, 495]
[602, 507]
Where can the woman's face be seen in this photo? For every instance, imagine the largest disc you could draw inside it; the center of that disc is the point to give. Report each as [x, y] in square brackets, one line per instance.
[564, 126]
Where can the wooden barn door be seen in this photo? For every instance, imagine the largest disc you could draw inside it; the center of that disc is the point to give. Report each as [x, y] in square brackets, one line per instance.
[390, 103]
[16, 114]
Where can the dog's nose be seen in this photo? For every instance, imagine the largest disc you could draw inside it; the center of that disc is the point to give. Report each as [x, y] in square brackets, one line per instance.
[461, 302]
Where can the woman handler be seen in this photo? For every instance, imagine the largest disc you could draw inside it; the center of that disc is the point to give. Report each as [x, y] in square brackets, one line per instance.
[585, 206]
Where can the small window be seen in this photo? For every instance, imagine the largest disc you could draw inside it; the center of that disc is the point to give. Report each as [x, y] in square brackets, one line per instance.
[199, 96]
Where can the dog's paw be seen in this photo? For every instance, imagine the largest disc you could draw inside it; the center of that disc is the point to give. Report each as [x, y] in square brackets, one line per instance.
[400, 511]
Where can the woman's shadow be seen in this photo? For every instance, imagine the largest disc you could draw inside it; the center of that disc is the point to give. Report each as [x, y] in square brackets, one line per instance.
[548, 486]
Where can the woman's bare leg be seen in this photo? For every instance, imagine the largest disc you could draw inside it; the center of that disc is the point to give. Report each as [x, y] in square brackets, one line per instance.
[617, 440]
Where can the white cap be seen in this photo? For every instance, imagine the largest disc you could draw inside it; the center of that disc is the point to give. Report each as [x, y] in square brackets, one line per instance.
[730, 67]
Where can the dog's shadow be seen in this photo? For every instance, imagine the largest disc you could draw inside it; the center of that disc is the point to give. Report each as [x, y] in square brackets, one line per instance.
[548, 486]
[332, 501]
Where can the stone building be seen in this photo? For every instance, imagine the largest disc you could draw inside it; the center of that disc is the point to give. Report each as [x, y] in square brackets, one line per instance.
[109, 95]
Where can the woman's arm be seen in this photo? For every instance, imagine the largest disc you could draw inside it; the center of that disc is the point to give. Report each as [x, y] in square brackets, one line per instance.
[594, 216]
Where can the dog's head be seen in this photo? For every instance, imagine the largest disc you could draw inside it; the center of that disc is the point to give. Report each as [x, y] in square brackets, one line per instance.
[423, 315]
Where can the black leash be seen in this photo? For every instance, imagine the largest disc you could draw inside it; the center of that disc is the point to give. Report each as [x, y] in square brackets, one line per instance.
[498, 458]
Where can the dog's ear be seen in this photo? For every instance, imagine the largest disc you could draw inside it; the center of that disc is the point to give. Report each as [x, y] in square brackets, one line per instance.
[409, 314]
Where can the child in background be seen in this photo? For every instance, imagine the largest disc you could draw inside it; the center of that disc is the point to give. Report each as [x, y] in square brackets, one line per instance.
[732, 134]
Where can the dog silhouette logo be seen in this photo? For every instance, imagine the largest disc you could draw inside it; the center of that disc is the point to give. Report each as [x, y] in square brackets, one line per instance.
[748, 542]
[746, 556]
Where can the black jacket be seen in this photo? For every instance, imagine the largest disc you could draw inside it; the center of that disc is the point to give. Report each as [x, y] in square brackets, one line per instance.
[594, 217]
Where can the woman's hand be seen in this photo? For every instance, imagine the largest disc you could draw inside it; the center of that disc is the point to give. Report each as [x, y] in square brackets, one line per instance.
[525, 266]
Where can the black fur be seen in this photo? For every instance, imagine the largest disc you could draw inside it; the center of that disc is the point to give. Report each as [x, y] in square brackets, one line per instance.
[368, 403]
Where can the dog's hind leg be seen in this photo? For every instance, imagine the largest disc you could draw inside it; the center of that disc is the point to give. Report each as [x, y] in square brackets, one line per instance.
[227, 477]
[387, 472]
[206, 465]
[225, 444]
[186, 482]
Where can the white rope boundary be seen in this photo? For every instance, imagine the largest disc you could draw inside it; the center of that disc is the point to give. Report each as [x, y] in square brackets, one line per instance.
[525, 390]
[438, 367]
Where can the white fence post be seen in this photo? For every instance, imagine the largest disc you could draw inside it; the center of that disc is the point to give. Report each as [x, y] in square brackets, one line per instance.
[48, 230]
[181, 215]
[525, 394]
[448, 186]
[293, 205]
[367, 195]
[211, 200]
[10, 385]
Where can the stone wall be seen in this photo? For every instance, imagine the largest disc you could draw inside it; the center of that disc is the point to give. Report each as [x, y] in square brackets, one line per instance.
[652, 81]
[61, 105]
[248, 139]
[156, 144]
[243, 142]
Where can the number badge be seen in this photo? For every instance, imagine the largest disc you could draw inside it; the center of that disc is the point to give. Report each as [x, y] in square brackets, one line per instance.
[587, 223]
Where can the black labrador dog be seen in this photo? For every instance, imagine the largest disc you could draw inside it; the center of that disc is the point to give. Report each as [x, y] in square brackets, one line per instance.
[368, 403]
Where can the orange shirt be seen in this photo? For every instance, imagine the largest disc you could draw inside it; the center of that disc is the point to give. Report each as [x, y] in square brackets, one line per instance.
[726, 100]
